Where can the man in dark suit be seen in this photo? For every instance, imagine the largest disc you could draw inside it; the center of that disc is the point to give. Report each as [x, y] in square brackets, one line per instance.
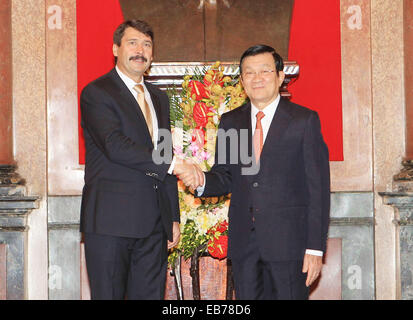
[279, 211]
[130, 201]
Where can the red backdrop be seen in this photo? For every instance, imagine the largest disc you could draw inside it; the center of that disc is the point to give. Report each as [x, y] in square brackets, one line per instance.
[96, 22]
[314, 44]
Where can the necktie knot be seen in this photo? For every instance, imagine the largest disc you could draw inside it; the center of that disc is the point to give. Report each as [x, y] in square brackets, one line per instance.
[138, 88]
[260, 115]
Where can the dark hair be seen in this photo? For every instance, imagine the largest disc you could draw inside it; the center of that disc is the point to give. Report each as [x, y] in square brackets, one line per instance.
[139, 25]
[262, 48]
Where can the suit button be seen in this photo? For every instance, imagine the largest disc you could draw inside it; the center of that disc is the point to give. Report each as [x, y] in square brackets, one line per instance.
[251, 209]
[155, 186]
[255, 184]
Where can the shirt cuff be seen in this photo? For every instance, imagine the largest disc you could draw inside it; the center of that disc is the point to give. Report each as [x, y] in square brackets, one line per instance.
[172, 166]
[200, 190]
[314, 252]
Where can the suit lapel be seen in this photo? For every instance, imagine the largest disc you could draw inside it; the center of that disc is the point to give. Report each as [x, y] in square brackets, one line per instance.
[157, 105]
[278, 126]
[247, 120]
[129, 104]
[244, 122]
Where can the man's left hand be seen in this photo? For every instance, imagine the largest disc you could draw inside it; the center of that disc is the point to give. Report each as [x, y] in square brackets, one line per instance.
[312, 266]
[176, 234]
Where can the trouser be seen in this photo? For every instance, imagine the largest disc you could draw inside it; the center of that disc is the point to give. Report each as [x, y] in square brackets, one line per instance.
[131, 268]
[256, 279]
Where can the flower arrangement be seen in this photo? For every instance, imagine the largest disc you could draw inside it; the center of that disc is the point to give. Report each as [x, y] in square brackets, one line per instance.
[195, 114]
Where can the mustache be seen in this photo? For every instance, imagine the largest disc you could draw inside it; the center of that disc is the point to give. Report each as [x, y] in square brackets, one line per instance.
[138, 57]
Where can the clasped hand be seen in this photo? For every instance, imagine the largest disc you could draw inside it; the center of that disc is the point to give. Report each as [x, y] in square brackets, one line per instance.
[190, 173]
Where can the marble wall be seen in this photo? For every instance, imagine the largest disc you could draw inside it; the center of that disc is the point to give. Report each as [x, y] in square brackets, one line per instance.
[45, 143]
[351, 220]
[29, 130]
[388, 134]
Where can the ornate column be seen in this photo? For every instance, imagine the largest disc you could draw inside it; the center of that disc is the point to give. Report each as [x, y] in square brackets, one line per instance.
[401, 198]
[403, 206]
[14, 204]
[14, 208]
[404, 180]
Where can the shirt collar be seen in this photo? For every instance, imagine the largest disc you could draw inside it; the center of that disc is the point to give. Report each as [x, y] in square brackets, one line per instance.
[268, 110]
[130, 83]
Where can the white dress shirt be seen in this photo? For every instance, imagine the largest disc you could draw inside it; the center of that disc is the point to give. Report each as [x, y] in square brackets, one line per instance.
[269, 112]
[130, 83]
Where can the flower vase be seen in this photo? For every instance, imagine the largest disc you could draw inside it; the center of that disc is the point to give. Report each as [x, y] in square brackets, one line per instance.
[215, 280]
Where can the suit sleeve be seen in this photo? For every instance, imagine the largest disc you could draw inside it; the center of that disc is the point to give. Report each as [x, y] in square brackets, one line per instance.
[100, 119]
[219, 179]
[171, 182]
[317, 172]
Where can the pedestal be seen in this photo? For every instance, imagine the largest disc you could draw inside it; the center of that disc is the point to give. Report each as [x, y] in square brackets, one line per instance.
[14, 208]
[401, 199]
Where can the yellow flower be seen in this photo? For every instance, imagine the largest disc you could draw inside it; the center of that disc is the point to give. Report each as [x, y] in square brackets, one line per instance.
[216, 89]
[227, 79]
[187, 109]
[191, 201]
[210, 125]
[208, 77]
[187, 121]
[229, 89]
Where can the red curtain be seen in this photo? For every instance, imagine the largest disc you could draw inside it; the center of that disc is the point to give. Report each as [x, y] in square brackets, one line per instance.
[314, 44]
[96, 22]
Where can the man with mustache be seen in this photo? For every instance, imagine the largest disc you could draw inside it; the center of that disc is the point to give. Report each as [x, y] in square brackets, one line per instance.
[130, 211]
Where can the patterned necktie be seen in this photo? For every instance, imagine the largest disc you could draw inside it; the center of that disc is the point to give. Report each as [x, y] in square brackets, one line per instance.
[258, 137]
[144, 107]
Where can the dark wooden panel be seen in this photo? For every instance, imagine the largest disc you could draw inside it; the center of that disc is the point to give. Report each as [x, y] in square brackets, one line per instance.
[188, 30]
[233, 26]
[212, 279]
[177, 25]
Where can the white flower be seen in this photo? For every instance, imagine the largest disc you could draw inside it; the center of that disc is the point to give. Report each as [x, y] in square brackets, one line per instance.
[222, 108]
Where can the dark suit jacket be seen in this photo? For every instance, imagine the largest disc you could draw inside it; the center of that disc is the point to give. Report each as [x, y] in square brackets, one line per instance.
[289, 197]
[125, 192]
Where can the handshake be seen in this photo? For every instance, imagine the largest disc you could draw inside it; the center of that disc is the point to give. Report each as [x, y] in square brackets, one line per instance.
[189, 173]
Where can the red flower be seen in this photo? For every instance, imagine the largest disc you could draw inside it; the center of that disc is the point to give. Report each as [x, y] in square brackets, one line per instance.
[198, 89]
[219, 227]
[218, 247]
[222, 227]
[200, 114]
